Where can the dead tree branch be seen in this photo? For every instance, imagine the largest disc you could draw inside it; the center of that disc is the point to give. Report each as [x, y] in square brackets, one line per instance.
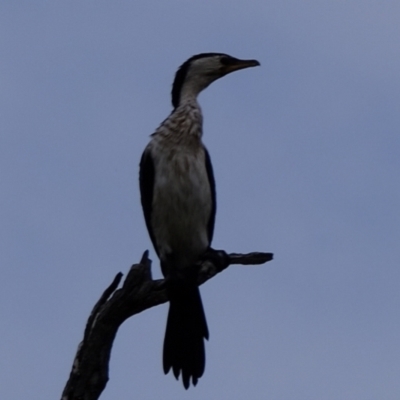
[89, 374]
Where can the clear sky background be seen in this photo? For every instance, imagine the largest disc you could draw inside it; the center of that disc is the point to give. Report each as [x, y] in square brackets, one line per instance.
[306, 157]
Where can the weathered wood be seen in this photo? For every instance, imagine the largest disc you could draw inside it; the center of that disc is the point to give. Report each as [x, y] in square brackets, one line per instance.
[89, 374]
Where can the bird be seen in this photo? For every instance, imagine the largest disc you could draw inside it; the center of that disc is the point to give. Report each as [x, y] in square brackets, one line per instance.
[178, 198]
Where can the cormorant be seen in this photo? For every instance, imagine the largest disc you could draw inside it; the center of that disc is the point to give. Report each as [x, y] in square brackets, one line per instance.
[179, 203]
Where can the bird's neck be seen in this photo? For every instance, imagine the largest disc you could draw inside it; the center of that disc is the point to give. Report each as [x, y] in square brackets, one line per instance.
[186, 119]
[191, 89]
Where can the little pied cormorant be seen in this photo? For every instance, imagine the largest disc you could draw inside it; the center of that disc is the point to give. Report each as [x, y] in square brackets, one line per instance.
[179, 203]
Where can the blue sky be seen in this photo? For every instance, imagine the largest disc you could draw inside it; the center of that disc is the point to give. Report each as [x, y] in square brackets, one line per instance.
[306, 158]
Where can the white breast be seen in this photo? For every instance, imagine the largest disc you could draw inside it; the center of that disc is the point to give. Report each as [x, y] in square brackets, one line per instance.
[182, 203]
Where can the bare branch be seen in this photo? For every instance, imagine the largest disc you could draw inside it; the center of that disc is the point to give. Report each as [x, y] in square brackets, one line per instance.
[89, 374]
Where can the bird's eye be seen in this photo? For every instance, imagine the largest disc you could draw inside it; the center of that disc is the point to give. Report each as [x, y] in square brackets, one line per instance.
[225, 60]
[228, 60]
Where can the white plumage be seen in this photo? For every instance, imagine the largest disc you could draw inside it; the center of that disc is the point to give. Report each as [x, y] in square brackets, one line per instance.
[182, 193]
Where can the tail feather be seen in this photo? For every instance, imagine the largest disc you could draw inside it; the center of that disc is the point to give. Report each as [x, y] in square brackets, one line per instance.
[184, 335]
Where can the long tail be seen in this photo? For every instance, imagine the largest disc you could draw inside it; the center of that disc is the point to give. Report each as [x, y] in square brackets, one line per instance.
[185, 333]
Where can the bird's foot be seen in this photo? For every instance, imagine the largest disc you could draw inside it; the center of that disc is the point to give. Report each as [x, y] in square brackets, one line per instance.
[219, 258]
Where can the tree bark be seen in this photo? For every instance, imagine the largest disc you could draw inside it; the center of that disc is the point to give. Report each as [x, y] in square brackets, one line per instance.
[89, 374]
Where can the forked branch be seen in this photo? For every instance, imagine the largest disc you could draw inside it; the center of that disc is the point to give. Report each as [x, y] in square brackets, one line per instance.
[89, 374]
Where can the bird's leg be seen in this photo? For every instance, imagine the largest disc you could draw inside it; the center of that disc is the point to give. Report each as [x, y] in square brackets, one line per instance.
[219, 258]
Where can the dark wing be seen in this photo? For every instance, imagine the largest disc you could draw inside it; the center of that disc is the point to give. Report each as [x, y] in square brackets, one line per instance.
[210, 174]
[146, 182]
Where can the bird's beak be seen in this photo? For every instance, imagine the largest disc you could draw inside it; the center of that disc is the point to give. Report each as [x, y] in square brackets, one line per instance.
[236, 64]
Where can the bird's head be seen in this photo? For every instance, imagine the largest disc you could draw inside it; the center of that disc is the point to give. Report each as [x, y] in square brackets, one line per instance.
[199, 71]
